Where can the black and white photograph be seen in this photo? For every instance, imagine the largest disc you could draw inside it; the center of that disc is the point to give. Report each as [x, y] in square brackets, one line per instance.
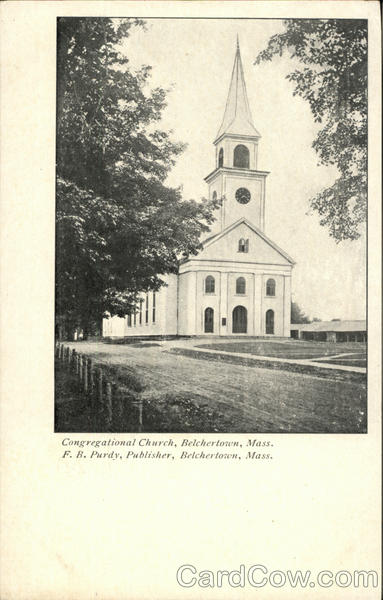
[211, 214]
[190, 276]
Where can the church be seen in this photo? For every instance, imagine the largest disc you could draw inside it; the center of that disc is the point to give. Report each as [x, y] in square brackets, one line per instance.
[240, 282]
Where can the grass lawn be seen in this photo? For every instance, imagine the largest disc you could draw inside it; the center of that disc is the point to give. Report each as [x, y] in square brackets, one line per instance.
[289, 349]
[347, 362]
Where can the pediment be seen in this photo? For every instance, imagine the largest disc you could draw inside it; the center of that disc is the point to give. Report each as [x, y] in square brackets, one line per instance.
[261, 249]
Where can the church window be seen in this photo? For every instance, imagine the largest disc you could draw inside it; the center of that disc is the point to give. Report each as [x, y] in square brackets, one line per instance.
[209, 285]
[214, 196]
[220, 158]
[154, 307]
[270, 287]
[241, 157]
[242, 195]
[129, 320]
[243, 245]
[241, 285]
[140, 312]
[135, 318]
[147, 309]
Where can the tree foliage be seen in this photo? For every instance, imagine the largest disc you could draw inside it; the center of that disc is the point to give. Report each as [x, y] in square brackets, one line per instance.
[297, 314]
[333, 80]
[119, 227]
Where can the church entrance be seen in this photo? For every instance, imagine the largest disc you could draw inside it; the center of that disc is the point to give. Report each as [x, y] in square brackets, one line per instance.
[240, 319]
[209, 320]
[270, 322]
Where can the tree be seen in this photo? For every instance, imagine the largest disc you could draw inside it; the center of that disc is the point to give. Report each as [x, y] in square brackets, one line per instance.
[333, 79]
[119, 227]
[297, 314]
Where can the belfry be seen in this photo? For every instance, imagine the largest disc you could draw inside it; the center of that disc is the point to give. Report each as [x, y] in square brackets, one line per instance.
[237, 157]
[240, 282]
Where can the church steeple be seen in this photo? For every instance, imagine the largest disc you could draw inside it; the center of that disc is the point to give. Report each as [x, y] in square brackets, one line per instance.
[236, 179]
[237, 119]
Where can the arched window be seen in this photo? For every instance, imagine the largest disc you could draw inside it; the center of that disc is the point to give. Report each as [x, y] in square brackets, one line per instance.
[209, 320]
[209, 285]
[240, 287]
[243, 245]
[241, 157]
[270, 321]
[270, 287]
[220, 158]
[214, 196]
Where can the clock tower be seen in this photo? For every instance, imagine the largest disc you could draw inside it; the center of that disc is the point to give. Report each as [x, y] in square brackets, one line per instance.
[236, 179]
[239, 283]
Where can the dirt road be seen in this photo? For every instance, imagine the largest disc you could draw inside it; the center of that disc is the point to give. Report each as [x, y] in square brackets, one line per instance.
[259, 399]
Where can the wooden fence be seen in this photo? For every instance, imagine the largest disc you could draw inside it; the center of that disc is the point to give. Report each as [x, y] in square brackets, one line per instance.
[95, 384]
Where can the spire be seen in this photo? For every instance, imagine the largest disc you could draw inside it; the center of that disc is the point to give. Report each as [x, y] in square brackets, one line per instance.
[237, 118]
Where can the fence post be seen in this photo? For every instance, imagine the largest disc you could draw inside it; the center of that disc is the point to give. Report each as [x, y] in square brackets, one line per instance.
[85, 376]
[137, 404]
[72, 361]
[100, 385]
[108, 402]
[80, 368]
[91, 380]
[61, 346]
[140, 406]
[118, 403]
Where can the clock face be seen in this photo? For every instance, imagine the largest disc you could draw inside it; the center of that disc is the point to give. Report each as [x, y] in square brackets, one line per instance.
[242, 195]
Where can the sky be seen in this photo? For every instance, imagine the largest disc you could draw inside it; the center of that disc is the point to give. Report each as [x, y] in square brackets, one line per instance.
[193, 58]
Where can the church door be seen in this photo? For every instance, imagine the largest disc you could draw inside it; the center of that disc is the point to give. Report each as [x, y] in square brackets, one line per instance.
[270, 321]
[209, 320]
[240, 319]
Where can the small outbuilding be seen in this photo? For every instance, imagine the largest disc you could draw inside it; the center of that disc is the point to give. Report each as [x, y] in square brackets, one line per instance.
[330, 331]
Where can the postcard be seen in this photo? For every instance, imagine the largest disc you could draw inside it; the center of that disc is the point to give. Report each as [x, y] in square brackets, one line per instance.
[191, 300]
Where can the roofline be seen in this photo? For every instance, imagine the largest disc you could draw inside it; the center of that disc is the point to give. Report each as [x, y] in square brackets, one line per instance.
[237, 136]
[236, 169]
[323, 326]
[237, 87]
[318, 323]
[197, 262]
[292, 328]
[256, 230]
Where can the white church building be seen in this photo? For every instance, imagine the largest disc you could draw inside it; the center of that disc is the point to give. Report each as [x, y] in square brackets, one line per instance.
[240, 282]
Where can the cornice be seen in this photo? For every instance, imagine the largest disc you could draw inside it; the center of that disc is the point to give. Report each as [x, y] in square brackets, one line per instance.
[235, 170]
[235, 136]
